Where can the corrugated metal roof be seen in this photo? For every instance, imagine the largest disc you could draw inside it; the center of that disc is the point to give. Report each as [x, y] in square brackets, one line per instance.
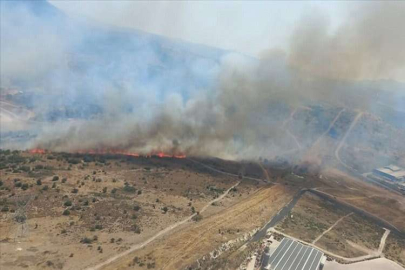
[396, 174]
[393, 168]
[292, 255]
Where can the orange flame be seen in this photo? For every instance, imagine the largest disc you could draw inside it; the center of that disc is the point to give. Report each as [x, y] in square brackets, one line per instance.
[37, 151]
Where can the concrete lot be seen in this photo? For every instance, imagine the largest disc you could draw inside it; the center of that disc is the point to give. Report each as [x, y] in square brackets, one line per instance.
[377, 264]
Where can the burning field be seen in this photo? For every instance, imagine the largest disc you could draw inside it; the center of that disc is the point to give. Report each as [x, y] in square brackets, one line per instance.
[60, 210]
[81, 210]
[121, 149]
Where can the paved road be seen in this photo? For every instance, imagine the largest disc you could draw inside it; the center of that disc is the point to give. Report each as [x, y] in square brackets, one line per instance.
[289, 206]
[357, 259]
[377, 220]
[278, 217]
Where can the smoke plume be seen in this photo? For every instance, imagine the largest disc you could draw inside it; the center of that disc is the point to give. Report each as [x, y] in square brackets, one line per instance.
[369, 44]
[208, 102]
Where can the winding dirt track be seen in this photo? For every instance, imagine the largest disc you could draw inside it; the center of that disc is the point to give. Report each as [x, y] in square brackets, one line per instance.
[352, 125]
[159, 234]
[331, 227]
[318, 141]
[200, 233]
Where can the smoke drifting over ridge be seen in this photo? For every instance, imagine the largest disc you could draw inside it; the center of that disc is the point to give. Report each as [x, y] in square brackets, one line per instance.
[209, 103]
[369, 45]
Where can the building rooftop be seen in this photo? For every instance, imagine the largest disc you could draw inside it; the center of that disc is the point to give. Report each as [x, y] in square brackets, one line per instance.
[393, 168]
[291, 254]
[393, 171]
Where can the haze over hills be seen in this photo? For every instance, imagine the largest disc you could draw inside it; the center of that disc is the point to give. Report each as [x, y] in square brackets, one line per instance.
[125, 150]
[78, 77]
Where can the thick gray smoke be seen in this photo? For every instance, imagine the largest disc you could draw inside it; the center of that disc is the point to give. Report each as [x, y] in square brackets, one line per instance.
[236, 109]
[369, 45]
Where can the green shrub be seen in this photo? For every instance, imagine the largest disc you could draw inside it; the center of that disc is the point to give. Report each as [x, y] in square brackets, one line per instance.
[25, 168]
[24, 186]
[86, 240]
[197, 217]
[129, 189]
[68, 203]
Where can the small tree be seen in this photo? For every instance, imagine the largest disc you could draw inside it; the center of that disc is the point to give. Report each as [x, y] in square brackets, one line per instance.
[86, 240]
[68, 203]
[197, 217]
[55, 178]
[165, 209]
[39, 182]
[66, 212]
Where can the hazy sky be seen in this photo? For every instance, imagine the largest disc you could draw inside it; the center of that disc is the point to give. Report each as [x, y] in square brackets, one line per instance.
[244, 26]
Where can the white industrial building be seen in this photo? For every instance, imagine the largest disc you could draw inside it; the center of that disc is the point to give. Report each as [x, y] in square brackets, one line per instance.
[391, 172]
[292, 255]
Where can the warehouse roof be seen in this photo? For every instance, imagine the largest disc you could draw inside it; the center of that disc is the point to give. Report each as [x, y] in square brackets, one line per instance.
[291, 254]
[393, 171]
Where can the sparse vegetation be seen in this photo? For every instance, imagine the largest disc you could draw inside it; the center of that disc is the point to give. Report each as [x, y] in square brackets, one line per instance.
[197, 217]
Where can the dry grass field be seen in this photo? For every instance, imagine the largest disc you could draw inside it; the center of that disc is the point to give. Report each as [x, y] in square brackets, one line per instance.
[74, 211]
[395, 249]
[310, 217]
[186, 245]
[352, 237]
[68, 211]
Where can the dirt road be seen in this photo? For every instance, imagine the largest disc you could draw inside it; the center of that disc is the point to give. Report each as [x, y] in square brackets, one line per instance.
[331, 227]
[190, 242]
[383, 239]
[342, 142]
[376, 264]
[160, 234]
[357, 259]
[329, 128]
